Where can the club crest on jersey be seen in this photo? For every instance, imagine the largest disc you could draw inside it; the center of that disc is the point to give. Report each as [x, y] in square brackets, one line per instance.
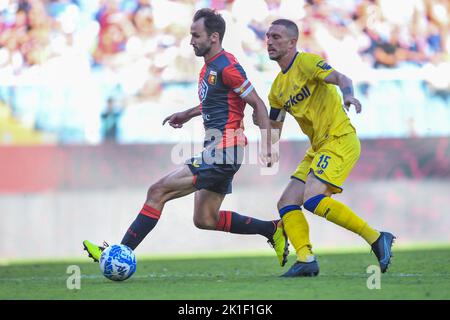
[323, 65]
[212, 77]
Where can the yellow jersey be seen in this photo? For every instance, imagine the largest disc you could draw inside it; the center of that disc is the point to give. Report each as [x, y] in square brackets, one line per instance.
[315, 104]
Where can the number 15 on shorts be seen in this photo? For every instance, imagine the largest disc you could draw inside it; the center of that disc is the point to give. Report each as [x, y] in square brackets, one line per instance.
[323, 161]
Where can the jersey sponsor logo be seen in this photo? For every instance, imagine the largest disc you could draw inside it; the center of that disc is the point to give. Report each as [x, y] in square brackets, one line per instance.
[323, 65]
[212, 78]
[299, 97]
[202, 90]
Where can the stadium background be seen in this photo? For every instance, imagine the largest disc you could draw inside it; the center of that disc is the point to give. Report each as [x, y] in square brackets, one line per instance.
[85, 85]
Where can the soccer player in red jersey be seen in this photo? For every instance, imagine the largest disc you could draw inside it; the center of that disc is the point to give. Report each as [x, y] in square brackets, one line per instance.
[223, 90]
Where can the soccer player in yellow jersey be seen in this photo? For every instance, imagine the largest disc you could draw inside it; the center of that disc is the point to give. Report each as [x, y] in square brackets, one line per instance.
[306, 89]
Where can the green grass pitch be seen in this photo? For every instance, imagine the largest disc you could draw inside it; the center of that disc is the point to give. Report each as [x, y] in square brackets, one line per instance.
[420, 273]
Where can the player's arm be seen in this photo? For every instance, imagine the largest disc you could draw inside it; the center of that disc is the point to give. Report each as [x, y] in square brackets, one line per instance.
[277, 113]
[235, 78]
[276, 117]
[261, 119]
[345, 84]
[277, 127]
[177, 119]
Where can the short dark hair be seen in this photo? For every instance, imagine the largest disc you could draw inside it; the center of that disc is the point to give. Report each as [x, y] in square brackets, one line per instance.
[290, 25]
[213, 21]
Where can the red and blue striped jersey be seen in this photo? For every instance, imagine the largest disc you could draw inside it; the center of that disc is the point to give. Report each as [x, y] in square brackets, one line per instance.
[221, 88]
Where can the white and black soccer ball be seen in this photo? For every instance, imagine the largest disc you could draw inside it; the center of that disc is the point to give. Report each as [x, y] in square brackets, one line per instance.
[118, 262]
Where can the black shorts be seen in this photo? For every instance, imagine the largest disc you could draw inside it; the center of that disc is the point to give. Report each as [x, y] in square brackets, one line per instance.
[214, 169]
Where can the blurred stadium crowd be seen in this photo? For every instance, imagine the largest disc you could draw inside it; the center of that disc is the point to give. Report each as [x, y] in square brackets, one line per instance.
[90, 70]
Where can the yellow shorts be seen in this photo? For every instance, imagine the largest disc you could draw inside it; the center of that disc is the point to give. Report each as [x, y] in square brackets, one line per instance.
[332, 163]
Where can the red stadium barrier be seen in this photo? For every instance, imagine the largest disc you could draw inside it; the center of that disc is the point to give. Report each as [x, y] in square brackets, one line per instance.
[42, 168]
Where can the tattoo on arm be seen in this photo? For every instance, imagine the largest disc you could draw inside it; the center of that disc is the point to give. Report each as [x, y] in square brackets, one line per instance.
[347, 90]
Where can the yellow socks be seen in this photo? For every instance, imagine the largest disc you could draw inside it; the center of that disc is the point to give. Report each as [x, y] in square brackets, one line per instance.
[341, 215]
[297, 230]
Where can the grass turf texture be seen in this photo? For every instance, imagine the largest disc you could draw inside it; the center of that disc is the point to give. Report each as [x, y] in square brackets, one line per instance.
[422, 273]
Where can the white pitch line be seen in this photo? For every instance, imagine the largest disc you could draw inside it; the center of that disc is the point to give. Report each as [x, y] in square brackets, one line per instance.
[211, 276]
[99, 276]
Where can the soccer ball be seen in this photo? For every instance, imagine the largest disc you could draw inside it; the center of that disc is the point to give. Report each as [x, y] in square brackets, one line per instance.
[118, 262]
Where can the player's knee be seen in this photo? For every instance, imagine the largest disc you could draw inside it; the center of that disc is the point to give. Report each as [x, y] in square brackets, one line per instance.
[286, 201]
[156, 192]
[281, 203]
[309, 194]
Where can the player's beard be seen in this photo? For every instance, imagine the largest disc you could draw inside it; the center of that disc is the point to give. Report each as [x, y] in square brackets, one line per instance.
[277, 54]
[201, 51]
